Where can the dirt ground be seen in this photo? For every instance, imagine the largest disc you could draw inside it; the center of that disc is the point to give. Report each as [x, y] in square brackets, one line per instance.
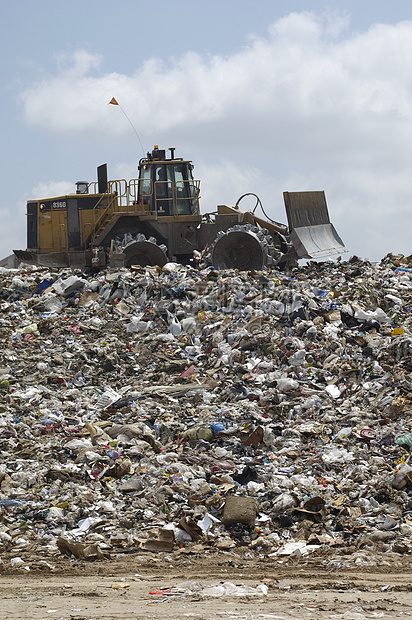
[130, 587]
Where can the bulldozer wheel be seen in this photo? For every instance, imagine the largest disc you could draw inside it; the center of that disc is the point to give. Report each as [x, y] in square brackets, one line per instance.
[144, 253]
[141, 251]
[242, 247]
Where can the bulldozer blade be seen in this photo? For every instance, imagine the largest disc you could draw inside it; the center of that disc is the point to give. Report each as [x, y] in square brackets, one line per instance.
[316, 241]
[311, 232]
[54, 260]
[24, 256]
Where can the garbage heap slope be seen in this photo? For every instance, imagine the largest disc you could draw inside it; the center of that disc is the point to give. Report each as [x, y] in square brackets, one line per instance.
[154, 409]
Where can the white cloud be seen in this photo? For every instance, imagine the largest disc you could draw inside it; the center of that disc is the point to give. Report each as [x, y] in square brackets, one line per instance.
[298, 73]
[225, 182]
[13, 229]
[315, 105]
[53, 188]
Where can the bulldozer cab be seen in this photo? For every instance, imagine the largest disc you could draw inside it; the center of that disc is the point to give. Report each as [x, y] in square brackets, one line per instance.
[166, 186]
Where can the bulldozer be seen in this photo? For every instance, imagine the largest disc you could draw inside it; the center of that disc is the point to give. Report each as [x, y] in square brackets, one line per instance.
[156, 218]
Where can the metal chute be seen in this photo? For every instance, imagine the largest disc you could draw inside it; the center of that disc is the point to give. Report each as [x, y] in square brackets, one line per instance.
[311, 232]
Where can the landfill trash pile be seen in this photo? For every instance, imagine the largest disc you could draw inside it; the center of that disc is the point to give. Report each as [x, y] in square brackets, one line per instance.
[158, 409]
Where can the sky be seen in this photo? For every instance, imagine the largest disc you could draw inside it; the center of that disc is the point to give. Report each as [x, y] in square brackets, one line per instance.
[264, 97]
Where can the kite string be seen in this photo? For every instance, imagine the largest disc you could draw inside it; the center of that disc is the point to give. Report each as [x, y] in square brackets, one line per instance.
[131, 124]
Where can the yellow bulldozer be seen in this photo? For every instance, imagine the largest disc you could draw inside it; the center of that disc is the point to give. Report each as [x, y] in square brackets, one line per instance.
[156, 218]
